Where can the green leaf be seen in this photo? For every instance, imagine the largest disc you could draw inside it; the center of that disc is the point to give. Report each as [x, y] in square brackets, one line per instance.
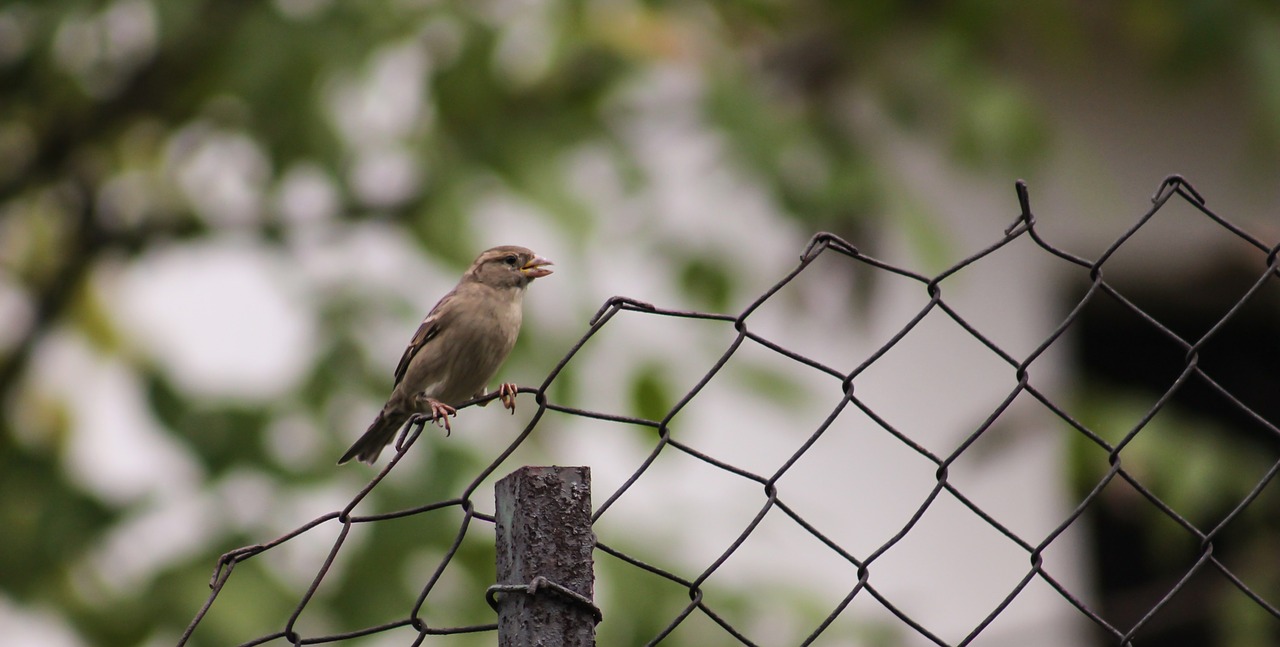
[650, 394]
[708, 282]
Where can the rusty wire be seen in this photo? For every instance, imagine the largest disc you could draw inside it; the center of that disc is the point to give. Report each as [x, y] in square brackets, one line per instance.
[820, 244]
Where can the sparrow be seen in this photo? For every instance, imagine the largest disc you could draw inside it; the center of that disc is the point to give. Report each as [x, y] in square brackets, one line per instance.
[458, 348]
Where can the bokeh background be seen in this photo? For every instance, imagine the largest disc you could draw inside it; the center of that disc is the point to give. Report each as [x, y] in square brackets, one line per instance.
[221, 221]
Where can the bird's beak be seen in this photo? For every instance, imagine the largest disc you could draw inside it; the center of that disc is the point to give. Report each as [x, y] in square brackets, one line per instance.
[536, 268]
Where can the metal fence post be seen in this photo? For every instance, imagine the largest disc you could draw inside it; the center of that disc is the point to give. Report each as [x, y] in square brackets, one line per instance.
[546, 575]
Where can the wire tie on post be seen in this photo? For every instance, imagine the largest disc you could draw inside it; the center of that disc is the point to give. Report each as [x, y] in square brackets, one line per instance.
[538, 583]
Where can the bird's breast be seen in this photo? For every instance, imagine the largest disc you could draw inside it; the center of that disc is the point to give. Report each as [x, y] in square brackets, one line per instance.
[485, 341]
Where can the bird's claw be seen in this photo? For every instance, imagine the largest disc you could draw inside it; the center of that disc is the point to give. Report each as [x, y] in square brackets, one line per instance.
[439, 414]
[507, 394]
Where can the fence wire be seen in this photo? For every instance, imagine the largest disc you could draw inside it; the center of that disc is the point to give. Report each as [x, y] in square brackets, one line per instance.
[822, 244]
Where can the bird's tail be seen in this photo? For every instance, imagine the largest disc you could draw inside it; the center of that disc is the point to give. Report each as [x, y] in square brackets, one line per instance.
[379, 434]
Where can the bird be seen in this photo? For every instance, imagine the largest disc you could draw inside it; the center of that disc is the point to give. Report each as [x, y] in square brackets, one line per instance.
[459, 347]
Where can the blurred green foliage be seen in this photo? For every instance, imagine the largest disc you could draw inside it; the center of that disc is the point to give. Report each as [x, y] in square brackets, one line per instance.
[100, 98]
[1202, 470]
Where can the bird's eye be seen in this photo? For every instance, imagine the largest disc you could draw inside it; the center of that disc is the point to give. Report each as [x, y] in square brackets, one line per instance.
[510, 260]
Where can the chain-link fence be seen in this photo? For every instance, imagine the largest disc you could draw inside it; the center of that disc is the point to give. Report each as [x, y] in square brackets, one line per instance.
[1108, 447]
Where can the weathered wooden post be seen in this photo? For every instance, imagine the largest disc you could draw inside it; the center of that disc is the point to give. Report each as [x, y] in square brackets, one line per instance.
[546, 576]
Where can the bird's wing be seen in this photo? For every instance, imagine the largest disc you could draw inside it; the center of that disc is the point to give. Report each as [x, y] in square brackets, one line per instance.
[434, 322]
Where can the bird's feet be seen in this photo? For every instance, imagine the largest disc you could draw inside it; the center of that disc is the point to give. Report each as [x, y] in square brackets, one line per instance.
[440, 412]
[507, 394]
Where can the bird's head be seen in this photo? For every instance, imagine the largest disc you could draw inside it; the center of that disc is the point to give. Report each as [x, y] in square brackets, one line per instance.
[508, 266]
